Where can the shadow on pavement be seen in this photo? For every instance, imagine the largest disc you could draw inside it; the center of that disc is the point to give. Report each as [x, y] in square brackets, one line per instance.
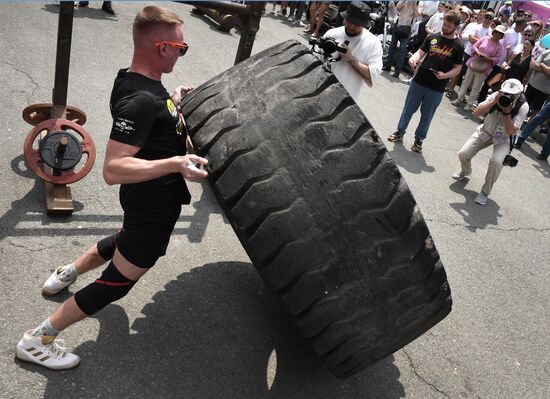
[32, 208]
[475, 216]
[214, 332]
[410, 160]
[93, 11]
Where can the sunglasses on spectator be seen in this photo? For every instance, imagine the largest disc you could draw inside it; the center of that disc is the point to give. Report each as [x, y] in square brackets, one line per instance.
[181, 46]
[489, 16]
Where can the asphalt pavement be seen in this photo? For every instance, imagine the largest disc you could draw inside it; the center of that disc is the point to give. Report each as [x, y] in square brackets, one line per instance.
[201, 324]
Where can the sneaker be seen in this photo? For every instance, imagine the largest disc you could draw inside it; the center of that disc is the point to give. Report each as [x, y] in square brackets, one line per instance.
[386, 68]
[53, 284]
[45, 351]
[459, 176]
[468, 108]
[456, 102]
[290, 19]
[481, 198]
[395, 74]
[417, 146]
[542, 157]
[304, 24]
[395, 136]
[272, 12]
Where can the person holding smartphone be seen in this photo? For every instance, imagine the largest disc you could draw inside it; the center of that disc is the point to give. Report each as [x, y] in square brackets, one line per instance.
[442, 55]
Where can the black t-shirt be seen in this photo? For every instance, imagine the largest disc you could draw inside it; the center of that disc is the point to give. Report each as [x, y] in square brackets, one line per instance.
[145, 116]
[442, 54]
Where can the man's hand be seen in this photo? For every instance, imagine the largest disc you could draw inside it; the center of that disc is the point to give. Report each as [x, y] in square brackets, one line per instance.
[440, 75]
[191, 167]
[179, 92]
[347, 56]
[413, 63]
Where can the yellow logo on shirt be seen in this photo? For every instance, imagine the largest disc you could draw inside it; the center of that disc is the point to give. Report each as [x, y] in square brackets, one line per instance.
[171, 108]
[434, 41]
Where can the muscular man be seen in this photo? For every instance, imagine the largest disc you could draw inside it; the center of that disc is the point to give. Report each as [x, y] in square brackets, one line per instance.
[361, 64]
[146, 156]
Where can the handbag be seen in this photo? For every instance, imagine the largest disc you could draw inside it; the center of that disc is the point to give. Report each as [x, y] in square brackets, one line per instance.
[496, 80]
[478, 65]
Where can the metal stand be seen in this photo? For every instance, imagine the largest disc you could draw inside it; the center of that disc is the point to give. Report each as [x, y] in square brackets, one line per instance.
[58, 196]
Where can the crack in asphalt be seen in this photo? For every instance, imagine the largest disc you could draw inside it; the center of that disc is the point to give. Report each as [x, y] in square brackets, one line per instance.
[432, 386]
[45, 247]
[36, 86]
[515, 229]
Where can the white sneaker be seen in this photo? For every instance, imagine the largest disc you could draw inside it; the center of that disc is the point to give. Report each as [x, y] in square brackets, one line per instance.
[481, 198]
[458, 175]
[456, 102]
[45, 351]
[468, 108]
[53, 284]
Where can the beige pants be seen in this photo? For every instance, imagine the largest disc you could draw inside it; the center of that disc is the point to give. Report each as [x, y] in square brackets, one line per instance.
[474, 79]
[476, 143]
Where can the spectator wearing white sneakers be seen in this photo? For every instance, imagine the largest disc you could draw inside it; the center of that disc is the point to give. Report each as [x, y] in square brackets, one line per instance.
[506, 110]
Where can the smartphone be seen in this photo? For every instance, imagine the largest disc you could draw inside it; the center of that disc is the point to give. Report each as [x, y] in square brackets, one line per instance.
[433, 70]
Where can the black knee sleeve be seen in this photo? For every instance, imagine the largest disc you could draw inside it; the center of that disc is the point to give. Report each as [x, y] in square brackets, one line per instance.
[106, 247]
[110, 287]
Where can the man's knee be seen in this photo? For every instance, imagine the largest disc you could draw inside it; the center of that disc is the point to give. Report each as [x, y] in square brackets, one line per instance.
[110, 287]
[106, 247]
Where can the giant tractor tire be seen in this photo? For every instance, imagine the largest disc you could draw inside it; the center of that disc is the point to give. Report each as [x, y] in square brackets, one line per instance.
[319, 206]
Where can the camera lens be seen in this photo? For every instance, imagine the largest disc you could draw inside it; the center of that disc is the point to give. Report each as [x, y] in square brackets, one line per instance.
[505, 100]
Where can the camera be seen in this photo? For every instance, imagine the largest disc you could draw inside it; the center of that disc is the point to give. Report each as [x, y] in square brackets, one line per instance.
[505, 100]
[327, 44]
[510, 161]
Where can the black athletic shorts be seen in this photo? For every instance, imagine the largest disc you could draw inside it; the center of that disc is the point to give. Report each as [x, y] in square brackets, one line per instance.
[146, 232]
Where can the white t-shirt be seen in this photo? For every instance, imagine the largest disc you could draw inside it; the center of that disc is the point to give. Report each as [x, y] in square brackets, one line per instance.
[428, 8]
[435, 23]
[367, 49]
[470, 29]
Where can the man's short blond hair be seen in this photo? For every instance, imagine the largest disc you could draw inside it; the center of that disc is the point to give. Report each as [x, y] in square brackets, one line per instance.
[153, 16]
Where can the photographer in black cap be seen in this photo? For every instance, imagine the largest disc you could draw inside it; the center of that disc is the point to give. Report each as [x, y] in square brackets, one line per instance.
[361, 63]
[506, 109]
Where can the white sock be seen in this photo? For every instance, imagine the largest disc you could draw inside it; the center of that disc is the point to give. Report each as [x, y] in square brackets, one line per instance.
[68, 273]
[44, 329]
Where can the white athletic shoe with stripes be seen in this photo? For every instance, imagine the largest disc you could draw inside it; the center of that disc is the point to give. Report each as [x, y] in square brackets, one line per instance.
[53, 284]
[45, 351]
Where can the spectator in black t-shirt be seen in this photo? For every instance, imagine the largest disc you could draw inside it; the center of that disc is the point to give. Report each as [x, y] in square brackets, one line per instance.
[443, 58]
[146, 155]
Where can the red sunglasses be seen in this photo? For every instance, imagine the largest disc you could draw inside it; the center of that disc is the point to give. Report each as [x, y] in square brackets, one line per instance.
[182, 46]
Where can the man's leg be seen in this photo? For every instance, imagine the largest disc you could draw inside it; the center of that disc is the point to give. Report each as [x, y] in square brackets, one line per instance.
[412, 103]
[319, 21]
[391, 53]
[495, 167]
[92, 258]
[430, 102]
[542, 115]
[545, 148]
[472, 146]
[403, 42]
[39, 346]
